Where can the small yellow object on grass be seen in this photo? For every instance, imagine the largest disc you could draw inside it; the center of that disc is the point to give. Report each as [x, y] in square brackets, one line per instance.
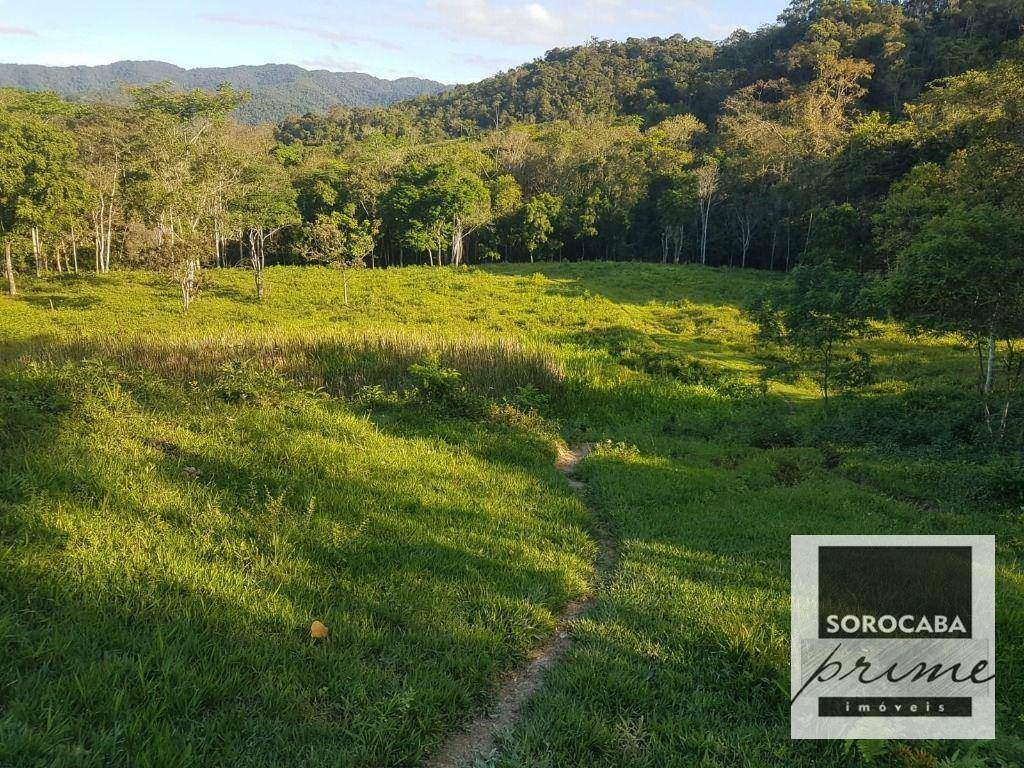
[318, 630]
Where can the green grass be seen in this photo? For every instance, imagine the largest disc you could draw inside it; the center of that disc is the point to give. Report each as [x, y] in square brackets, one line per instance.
[181, 495]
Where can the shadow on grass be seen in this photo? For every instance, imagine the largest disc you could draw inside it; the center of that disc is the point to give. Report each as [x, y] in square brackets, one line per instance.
[166, 566]
[187, 639]
[59, 301]
[685, 659]
[644, 283]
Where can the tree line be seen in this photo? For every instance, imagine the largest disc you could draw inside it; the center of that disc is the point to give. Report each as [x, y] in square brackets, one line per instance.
[872, 148]
[764, 150]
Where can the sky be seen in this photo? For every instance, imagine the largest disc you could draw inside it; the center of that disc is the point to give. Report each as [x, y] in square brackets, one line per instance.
[453, 41]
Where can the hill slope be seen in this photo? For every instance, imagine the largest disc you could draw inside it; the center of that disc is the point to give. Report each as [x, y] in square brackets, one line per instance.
[277, 89]
[179, 502]
[906, 45]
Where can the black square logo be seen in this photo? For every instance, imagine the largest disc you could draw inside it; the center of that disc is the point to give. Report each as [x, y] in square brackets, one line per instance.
[893, 637]
[894, 592]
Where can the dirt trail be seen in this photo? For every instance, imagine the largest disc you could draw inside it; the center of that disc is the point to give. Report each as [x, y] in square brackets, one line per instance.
[476, 739]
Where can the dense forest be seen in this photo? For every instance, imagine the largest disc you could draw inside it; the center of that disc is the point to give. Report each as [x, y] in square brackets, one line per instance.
[275, 90]
[858, 139]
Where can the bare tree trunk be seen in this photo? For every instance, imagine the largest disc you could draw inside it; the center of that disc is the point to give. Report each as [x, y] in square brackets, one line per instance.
[74, 249]
[746, 228]
[666, 237]
[705, 214]
[707, 185]
[789, 244]
[35, 252]
[97, 228]
[825, 373]
[12, 289]
[990, 363]
[457, 242]
[256, 259]
[188, 283]
[109, 237]
[807, 239]
[344, 278]
[1014, 371]
[678, 242]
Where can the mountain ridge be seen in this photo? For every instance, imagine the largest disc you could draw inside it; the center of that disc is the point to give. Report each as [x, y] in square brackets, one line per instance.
[277, 89]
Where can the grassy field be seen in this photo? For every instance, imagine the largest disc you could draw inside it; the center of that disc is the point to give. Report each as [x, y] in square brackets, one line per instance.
[181, 495]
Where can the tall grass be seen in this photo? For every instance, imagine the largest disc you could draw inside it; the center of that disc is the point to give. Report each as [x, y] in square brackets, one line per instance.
[338, 361]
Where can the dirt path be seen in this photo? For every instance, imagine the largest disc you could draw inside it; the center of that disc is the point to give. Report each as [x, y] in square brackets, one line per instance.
[476, 739]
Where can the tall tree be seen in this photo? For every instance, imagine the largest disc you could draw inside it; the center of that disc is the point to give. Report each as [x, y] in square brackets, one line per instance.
[963, 273]
[708, 179]
[39, 182]
[181, 163]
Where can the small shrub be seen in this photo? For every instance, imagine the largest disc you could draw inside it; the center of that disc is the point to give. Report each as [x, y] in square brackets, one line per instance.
[440, 386]
[854, 371]
[787, 471]
[247, 382]
[529, 421]
[775, 432]
[528, 398]
[617, 450]
[375, 395]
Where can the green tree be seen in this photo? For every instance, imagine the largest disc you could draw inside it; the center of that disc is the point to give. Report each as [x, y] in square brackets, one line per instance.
[814, 311]
[181, 163]
[264, 203]
[338, 239]
[536, 222]
[963, 273]
[465, 202]
[39, 182]
[434, 208]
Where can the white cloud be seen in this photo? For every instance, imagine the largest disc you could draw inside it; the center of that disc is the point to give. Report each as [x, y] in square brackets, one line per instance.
[333, 64]
[523, 23]
[304, 29]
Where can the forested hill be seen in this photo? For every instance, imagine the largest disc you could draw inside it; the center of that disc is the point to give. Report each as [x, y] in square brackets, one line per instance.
[277, 89]
[905, 46]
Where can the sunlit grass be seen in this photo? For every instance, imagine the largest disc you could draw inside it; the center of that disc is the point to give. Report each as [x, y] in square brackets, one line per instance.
[180, 495]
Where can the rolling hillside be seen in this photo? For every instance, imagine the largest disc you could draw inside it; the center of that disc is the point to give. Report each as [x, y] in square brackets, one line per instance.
[277, 89]
[179, 501]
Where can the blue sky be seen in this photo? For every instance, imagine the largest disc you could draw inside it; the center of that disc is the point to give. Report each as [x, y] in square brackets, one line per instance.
[448, 40]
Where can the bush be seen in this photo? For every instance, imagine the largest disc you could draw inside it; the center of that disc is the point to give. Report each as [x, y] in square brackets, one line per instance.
[528, 398]
[376, 395]
[440, 386]
[248, 382]
[854, 371]
[775, 431]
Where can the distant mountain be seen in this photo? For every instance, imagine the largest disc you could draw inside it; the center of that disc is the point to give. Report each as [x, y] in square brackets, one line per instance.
[277, 89]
